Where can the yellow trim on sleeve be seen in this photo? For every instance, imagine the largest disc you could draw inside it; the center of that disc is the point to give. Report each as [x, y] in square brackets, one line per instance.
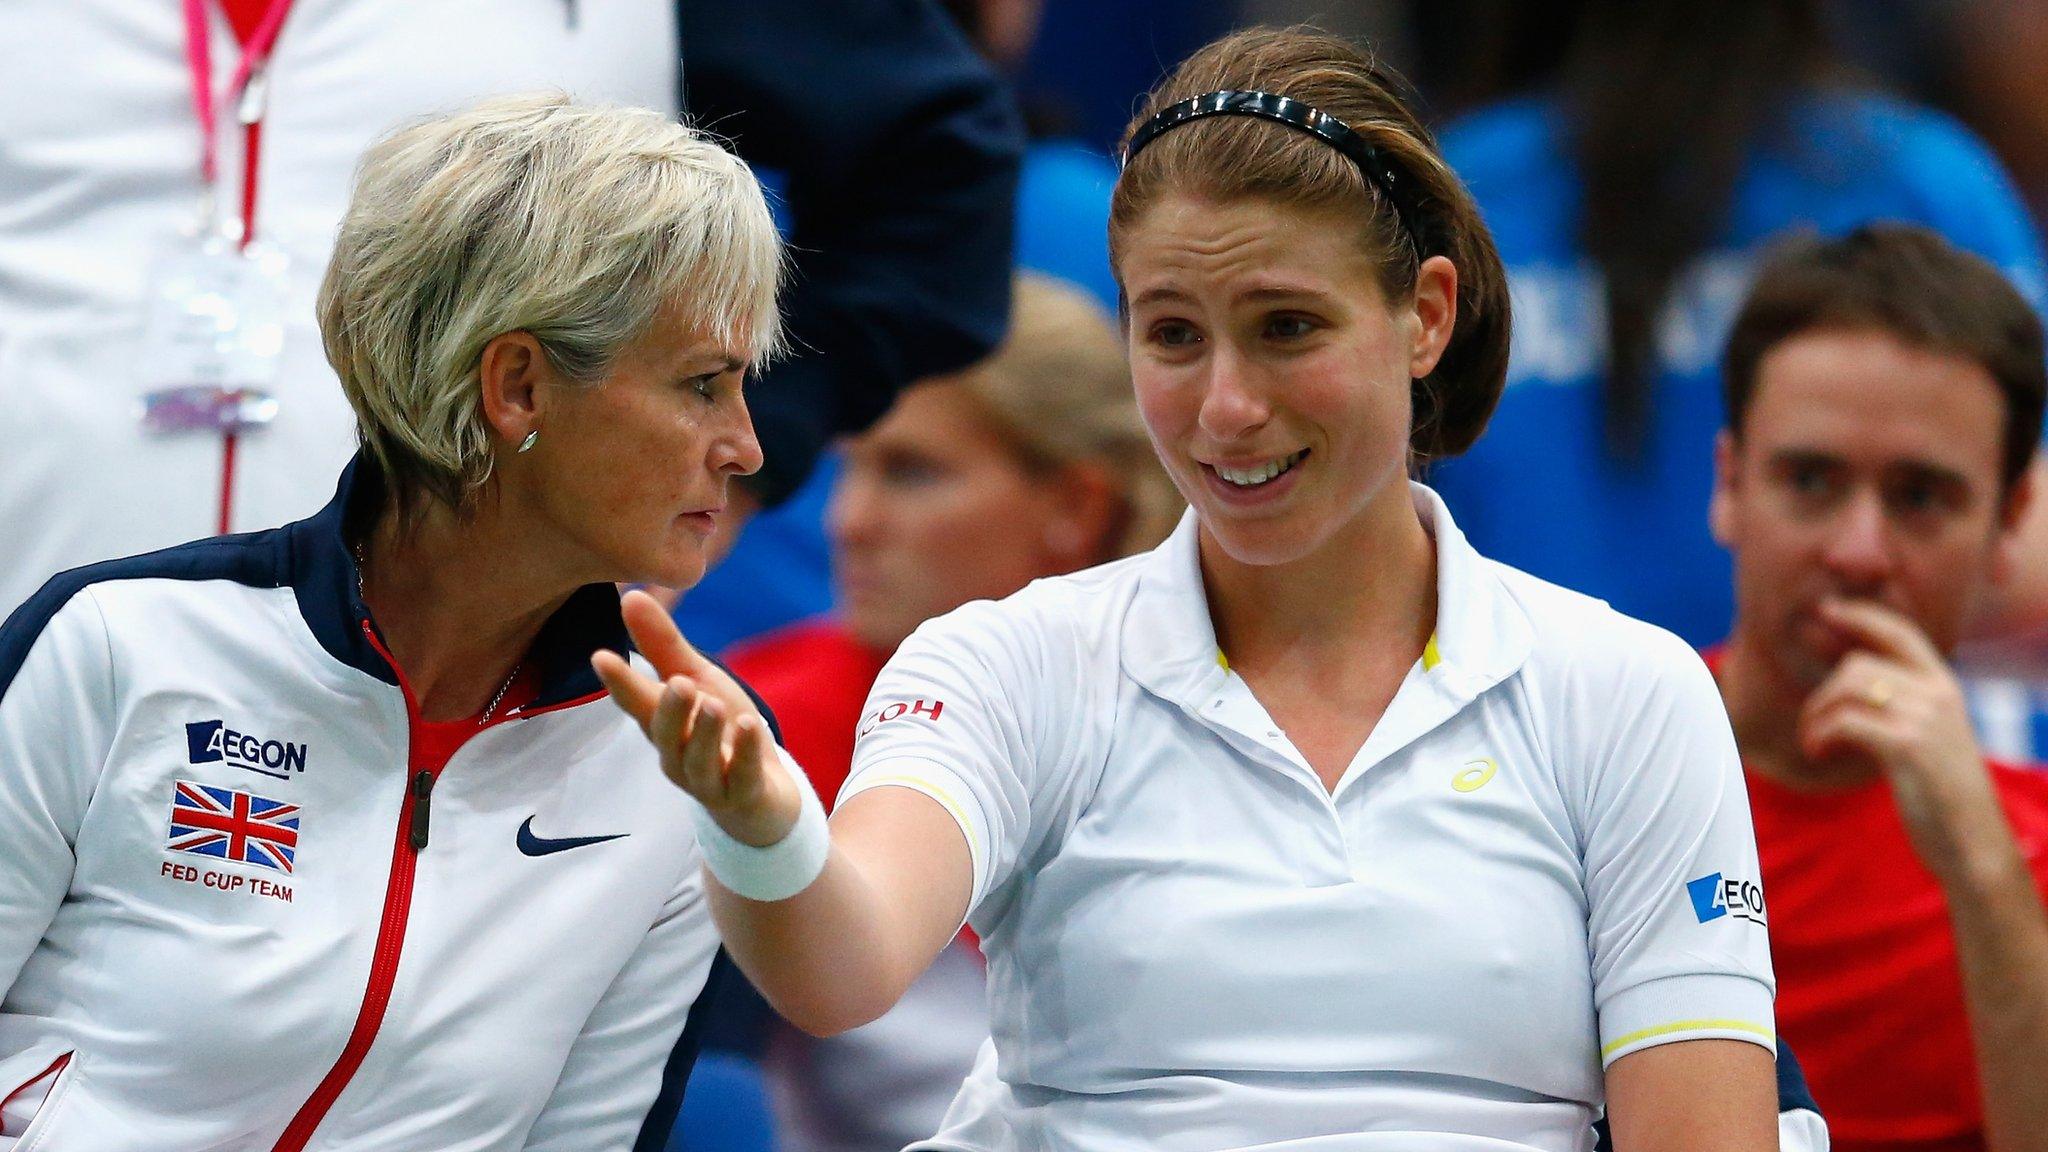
[1620, 1042]
[1430, 656]
[1222, 661]
[945, 799]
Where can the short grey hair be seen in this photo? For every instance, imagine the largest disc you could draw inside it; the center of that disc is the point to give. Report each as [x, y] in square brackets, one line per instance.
[578, 224]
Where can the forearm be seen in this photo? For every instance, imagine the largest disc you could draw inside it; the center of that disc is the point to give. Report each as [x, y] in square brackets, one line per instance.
[2002, 948]
[826, 958]
[1894, 701]
[842, 951]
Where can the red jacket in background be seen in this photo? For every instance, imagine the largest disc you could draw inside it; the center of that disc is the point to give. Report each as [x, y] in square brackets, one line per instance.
[816, 679]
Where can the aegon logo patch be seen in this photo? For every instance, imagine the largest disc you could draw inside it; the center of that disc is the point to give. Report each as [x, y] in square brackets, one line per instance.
[1714, 897]
[897, 711]
[213, 742]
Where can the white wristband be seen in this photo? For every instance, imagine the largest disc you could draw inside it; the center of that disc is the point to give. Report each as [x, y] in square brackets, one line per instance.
[780, 870]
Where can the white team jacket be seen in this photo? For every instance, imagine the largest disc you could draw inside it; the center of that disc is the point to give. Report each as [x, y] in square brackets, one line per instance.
[228, 920]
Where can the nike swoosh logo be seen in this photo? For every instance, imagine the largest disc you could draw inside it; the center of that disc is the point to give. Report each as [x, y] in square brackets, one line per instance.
[540, 846]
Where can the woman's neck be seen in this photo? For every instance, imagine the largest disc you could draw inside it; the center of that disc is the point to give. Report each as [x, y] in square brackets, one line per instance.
[1370, 588]
[459, 602]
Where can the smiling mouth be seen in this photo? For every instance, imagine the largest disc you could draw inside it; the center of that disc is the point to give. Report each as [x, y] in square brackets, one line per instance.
[1261, 474]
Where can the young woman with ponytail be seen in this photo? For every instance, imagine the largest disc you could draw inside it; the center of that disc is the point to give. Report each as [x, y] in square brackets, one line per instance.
[1310, 829]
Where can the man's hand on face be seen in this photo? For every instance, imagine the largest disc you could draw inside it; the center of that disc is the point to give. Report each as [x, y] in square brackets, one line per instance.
[1893, 701]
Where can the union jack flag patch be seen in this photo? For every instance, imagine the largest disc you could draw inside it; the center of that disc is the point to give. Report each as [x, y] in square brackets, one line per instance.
[231, 825]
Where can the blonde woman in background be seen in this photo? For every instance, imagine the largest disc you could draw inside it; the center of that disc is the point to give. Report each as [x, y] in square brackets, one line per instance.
[325, 836]
[1032, 463]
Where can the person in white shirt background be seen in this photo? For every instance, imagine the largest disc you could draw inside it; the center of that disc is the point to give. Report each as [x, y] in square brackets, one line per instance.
[172, 173]
[1311, 829]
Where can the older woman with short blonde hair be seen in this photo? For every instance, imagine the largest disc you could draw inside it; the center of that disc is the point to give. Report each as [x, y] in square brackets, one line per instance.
[324, 836]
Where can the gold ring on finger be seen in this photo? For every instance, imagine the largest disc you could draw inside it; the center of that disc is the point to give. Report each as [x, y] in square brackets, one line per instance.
[1878, 694]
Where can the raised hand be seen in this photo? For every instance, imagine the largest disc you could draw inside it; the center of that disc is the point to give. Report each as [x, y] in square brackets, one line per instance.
[1894, 701]
[713, 741]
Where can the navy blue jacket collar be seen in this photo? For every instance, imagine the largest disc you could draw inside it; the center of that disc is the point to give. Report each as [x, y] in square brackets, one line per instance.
[321, 570]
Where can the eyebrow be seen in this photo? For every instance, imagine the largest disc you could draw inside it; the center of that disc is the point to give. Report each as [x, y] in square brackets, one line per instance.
[1920, 469]
[1933, 473]
[1810, 456]
[1150, 295]
[1254, 295]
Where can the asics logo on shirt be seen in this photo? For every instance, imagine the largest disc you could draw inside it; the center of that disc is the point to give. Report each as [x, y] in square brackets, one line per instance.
[1475, 774]
[213, 742]
[533, 845]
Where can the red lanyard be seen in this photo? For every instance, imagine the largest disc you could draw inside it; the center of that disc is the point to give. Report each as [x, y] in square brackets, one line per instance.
[249, 84]
[258, 36]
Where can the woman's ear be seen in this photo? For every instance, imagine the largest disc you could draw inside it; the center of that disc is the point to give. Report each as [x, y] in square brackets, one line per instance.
[1435, 313]
[509, 375]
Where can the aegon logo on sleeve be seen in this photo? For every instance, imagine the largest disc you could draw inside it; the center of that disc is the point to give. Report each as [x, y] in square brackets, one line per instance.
[928, 710]
[213, 742]
[1714, 896]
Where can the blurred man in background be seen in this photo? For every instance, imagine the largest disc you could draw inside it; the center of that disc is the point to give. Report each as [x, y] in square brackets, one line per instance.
[1885, 396]
[1632, 193]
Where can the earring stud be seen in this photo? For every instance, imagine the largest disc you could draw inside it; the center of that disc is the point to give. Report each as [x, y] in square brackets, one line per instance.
[530, 438]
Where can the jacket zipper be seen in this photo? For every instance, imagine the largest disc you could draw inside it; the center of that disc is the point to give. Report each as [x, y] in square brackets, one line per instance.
[413, 829]
[418, 809]
[405, 850]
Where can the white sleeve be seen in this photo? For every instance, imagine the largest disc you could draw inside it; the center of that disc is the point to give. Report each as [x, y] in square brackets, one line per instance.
[1675, 907]
[56, 720]
[1802, 1130]
[614, 1070]
[963, 714]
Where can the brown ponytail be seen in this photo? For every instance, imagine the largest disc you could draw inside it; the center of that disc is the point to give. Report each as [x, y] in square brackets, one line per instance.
[1230, 158]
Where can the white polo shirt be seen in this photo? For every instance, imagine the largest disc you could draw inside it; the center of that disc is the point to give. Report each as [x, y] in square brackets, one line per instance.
[1540, 861]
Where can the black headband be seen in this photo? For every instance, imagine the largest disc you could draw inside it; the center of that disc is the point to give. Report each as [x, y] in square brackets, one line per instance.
[1379, 168]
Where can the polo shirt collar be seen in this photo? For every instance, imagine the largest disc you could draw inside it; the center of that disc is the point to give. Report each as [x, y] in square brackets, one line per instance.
[1482, 634]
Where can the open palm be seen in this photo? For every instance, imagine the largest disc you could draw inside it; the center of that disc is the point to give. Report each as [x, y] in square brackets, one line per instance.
[713, 741]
